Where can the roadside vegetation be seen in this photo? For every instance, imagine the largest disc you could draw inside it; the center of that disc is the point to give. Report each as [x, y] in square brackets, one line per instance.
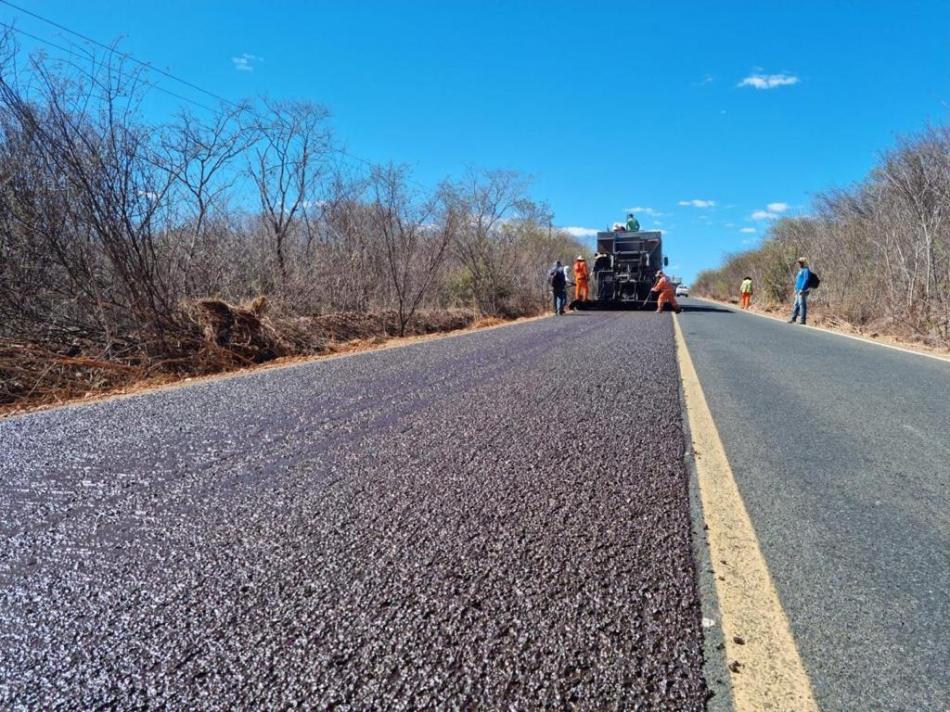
[226, 237]
[881, 248]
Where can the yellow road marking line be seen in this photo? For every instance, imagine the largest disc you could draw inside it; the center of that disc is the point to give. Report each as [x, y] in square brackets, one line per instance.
[770, 674]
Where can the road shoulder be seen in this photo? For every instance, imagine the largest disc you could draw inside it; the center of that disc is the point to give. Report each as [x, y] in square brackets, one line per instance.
[896, 346]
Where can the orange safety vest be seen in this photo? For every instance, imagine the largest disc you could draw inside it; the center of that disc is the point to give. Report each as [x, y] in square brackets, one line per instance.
[664, 285]
[580, 270]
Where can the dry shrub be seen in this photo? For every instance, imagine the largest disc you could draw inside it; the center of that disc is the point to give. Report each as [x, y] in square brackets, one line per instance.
[127, 249]
[31, 373]
[881, 247]
[242, 333]
[212, 336]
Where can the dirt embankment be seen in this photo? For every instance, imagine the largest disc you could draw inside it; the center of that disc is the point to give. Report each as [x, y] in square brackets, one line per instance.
[210, 337]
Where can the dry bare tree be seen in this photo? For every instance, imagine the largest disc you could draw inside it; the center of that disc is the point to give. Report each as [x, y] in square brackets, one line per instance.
[485, 246]
[288, 158]
[201, 154]
[94, 170]
[117, 235]
[415, 233]
[882, 246]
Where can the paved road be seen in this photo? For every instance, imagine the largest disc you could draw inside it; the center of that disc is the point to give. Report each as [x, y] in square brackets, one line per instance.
[436, 526]
[842, 454]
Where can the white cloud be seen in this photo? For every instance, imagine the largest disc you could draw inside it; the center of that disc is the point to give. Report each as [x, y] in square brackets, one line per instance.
[747, 230]
[245, 62]
[773, 211]
[645, 211]
[581, 231]
[769, 81]
[696, 203]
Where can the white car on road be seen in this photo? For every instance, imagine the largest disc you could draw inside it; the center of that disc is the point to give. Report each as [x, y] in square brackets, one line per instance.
[682, 290]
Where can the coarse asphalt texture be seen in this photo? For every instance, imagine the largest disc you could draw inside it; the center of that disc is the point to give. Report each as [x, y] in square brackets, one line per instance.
[841, 452]
[498, 520]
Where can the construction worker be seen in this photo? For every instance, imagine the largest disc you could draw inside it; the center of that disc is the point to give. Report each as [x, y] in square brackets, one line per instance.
[745, 293]
[633, 225]
[558, 281]
[801, 291]
[581, 279]
[666, 293]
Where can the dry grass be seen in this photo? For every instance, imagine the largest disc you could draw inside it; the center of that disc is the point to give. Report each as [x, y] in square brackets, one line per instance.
[219, 339]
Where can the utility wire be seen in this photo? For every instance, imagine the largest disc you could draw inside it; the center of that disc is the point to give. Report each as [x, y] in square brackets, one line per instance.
[68, 50]
[74, 53]
[152, 68]
[126, 55]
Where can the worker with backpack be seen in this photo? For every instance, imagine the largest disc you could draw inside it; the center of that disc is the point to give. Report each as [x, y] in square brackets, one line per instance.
[558, 281]
[805, 281]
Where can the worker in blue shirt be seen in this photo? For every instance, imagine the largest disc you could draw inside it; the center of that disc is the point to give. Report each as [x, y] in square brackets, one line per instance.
[801, 291]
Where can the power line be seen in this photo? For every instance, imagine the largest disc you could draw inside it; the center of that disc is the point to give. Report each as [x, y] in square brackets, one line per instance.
[126, 55]
[13, 28]
[150, 67]
[74, 53]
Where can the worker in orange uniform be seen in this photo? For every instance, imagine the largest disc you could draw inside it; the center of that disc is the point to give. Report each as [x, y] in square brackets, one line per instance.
[581, 279]
[666, 292]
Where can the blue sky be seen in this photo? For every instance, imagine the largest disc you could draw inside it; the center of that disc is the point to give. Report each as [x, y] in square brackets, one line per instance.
[608, 106]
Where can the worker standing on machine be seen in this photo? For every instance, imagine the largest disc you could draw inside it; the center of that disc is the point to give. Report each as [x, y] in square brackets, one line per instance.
[633, 225]
[666, 293]
[581, 279]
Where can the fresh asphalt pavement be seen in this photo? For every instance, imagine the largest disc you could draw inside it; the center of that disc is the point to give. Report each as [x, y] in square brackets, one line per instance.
[841, 451]
[498, 520]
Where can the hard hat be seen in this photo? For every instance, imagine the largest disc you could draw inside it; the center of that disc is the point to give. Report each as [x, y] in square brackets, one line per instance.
[580, 257]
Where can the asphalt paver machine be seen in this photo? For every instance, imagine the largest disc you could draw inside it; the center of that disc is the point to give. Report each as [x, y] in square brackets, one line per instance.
[624, 270]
